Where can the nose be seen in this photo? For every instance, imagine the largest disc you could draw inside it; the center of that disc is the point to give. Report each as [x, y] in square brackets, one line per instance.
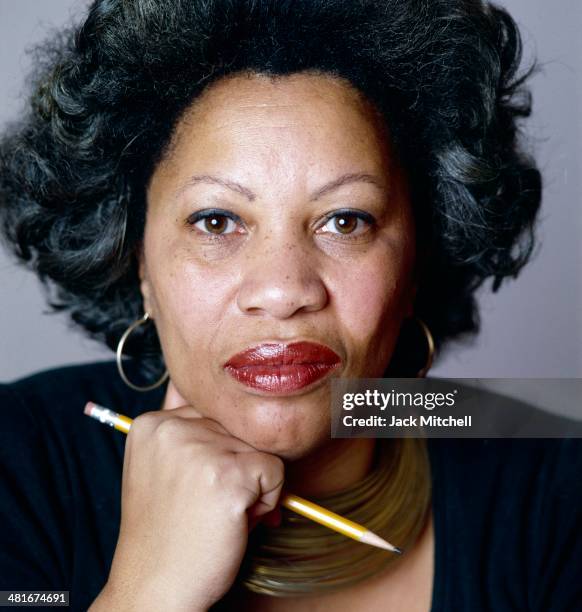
[280, 281]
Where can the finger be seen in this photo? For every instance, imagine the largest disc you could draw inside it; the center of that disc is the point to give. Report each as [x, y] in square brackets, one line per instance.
[269, 473]
[175, 404]
[187, 422]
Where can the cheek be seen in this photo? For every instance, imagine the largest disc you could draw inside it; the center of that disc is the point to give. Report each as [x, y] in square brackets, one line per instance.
[371, 300]
[365, 299]
[190, 298]
[373, 295]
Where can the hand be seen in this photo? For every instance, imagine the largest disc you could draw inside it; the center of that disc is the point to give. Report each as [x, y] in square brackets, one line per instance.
[190, 494]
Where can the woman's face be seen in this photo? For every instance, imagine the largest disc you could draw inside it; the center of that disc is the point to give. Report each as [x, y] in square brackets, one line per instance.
[312, 239]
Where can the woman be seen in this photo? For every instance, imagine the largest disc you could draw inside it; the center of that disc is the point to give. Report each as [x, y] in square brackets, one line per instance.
[252, 199]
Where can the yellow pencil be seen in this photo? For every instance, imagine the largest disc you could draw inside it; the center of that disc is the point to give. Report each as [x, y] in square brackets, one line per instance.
[292, 502]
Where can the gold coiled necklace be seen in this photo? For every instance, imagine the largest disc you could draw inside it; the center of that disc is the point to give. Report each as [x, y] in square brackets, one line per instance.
[301, 557]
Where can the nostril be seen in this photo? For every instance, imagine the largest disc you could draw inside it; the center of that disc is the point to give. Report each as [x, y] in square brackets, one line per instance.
[281, 292]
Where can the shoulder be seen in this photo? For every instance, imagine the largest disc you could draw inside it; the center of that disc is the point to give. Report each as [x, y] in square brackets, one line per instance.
[56, 467]
[60, 382]
[520, 484]
[61, 393]
[510, 509]
[42, 414]
[547, 461]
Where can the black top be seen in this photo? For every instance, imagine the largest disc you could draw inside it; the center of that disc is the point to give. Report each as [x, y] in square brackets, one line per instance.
[507, 512]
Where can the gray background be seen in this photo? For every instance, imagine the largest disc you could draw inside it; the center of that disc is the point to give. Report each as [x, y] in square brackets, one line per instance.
[532, 328]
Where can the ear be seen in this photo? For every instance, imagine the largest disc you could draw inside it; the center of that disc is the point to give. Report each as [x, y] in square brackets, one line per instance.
[144, 283]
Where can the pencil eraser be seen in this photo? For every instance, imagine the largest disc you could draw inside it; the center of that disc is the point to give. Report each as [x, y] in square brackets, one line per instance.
[89, 408]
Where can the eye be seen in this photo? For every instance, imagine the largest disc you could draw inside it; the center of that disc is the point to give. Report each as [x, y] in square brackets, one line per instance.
[213, 222]
[348, 223]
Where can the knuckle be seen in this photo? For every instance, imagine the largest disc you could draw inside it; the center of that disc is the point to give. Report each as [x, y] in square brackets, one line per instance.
[217, 470]
[209, 425]
[143, 424]
[278, 463]
[273, 463]
[146, 419]
[210, 473]
[169, 430]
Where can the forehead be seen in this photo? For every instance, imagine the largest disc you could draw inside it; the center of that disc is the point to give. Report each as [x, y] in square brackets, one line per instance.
[305, 88]
[307, 108]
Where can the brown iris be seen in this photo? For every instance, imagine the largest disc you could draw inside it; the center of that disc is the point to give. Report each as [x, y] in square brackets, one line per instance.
[345, 223]
[215, 224]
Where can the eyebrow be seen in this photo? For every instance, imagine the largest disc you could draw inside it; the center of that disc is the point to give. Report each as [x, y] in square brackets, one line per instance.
[351, 177]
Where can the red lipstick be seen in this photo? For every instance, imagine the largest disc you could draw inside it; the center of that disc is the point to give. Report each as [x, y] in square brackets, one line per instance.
[282, 368]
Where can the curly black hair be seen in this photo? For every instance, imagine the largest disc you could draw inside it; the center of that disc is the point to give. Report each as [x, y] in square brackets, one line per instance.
[106, 95]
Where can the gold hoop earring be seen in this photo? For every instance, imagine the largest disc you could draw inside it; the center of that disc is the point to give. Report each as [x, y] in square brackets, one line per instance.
[431, 349]
[119, 354]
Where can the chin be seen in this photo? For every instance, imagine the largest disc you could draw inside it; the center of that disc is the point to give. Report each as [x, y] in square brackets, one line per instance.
[289, 434]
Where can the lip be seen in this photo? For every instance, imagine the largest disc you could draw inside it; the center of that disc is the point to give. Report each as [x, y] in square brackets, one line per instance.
[280, 368]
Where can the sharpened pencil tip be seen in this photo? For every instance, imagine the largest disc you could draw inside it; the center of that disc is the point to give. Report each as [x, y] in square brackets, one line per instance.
[371, 538]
